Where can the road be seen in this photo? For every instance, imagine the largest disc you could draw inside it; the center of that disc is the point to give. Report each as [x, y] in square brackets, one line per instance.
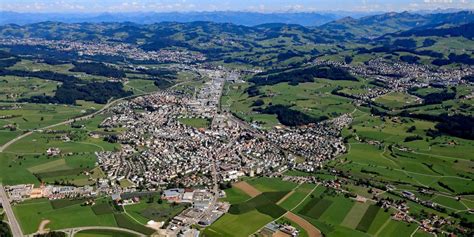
[88, 116]
[14, 225]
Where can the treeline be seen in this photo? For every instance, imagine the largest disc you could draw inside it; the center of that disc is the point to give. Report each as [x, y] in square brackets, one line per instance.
[455, 125]
[296, 76]
[161, 73]
[4, 228]
[68, 93]
[290, 117]
[469, 78]
[435, 97]
[47, 75]
[7, 59]
[98, 69]
[454, 58]
[162, 84]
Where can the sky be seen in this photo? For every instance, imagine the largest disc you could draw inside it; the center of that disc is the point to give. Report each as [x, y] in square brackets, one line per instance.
[94, 6]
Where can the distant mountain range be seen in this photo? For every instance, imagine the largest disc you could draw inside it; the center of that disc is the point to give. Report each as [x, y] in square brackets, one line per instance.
[240, 18]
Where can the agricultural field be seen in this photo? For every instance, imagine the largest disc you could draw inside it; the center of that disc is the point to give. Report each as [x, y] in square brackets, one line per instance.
[265, 184]
[396, 100]
[26, 161]
[29, 65]
[254, 213]
[149, 209]
[103, 233]
[312, 98]
[34, 116]
[336, 215]
[298, 195]
[425, 161]
[13, 88]
[64, 214]
[31, 213]
[141, 86]
[235, 195]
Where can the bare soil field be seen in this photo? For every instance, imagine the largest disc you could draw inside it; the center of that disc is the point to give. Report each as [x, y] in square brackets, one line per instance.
[310, 229]
[247, 188]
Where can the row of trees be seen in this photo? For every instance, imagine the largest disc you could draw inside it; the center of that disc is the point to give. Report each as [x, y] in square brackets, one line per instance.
[68, 93]
[98, 69]
[290, 117]
[295, 76]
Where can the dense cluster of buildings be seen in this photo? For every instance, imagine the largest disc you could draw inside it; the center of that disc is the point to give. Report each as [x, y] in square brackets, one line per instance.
[400, 76]
[21, 192]
[158, 150]
[124, 50]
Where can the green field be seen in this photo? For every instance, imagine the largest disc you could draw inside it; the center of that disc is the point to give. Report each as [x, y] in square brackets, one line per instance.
[24, 159]
[65, 213]
[145, 210]
[297, 196]
[265, 184]
[13, 88]
[397, 100]
[314, 99]
[422, 162]
[103, 233]
[238, 225]
[140, 86]
[31, 213]
[235, 195]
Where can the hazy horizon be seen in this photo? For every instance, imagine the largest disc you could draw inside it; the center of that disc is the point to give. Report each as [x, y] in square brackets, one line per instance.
[260, 6]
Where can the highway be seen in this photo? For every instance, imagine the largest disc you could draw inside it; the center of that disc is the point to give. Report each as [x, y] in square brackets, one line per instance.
[14, 225]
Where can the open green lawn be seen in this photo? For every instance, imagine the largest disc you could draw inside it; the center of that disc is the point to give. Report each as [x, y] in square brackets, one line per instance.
[31, 213]
[397, 100]
[139, 86]
[354, 216]
[103, 233]
[13, 88]
[265, 184]
[145, 211]
[28, 156]
[298, 195]
[241, 225]
[34, 116]
[396, 229]
[426, 162]
[235, 195]
[314, 99]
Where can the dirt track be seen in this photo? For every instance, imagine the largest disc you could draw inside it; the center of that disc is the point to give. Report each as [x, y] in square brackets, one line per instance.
[42, 227]
[310, 229]
[285, 197]
[247, 188]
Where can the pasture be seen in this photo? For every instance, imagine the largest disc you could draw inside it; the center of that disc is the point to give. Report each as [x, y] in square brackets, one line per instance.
[312, 98]
[103, 233]
[145, 210]
[265, 184]
[396, 100]
[13, 88]
[31, 213]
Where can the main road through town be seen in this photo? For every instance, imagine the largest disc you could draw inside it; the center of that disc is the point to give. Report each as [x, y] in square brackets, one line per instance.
[14, 225]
